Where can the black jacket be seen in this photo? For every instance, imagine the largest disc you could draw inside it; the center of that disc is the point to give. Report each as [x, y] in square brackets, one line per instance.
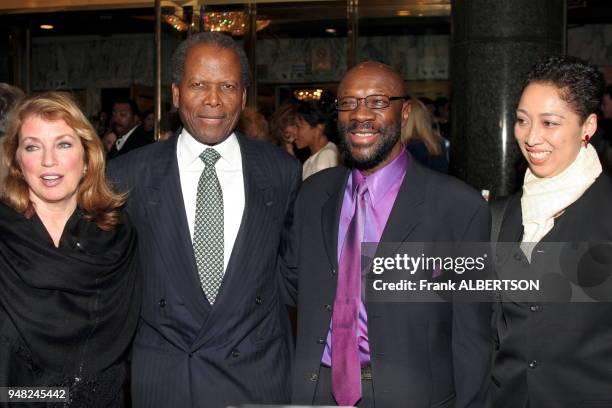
[187, 353]
[422, 354]
[138, 138]
[556, 355]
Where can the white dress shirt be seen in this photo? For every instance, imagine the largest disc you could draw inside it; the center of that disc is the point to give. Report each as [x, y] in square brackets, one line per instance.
[121, 140]
[325, 158]
[229, 172]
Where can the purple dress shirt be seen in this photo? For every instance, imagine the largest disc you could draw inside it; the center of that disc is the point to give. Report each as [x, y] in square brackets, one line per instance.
[383, 186]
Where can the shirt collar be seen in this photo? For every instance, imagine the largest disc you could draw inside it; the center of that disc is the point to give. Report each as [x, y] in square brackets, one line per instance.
[190, 149]
[122, 139]
[380, 182]
[129, 132]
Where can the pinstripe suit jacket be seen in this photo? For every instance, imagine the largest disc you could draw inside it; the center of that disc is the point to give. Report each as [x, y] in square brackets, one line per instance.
[187, 353]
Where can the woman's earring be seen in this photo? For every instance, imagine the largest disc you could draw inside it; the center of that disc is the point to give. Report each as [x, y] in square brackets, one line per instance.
[586, 140]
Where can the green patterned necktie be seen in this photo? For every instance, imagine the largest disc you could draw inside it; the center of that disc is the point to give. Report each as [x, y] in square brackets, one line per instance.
[208, 228]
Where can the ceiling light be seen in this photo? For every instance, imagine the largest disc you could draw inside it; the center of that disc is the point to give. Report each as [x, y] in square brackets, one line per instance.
[330, 30]
[404, 13]
[176, 22]
[308, 94]
[46, 26]
[233, 22]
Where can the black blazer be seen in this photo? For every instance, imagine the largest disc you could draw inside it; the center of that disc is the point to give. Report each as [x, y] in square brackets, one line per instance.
[556, 355]
[422, 355]
[138, 138]
[187, 354]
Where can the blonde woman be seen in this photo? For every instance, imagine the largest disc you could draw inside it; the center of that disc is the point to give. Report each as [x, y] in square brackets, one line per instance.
[422, 139]
[69, 280]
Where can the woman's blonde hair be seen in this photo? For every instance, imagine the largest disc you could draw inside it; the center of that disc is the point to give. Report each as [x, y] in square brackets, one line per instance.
[421, 125]
[99, 203]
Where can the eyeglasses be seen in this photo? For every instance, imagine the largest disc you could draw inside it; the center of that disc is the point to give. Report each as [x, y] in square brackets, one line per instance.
[349, 103]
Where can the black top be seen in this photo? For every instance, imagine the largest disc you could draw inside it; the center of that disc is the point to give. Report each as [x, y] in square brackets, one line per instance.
[434, 354]
[557, 355]
[418, 150]
[67, 314]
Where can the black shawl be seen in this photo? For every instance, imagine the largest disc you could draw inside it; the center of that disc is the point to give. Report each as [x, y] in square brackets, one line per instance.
[74, 307]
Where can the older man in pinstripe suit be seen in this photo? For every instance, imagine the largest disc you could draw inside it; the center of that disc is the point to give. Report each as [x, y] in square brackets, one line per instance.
[210, 207]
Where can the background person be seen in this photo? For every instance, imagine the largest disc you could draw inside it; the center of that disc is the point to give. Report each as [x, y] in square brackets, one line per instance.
[70, 285]
[125, 124]
[108, 140]
[254, 124]
[422, 139]
[315, 127]
[556, 354]
[283, 126]
[9, 97]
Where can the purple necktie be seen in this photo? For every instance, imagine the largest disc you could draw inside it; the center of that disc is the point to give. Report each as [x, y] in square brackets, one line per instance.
[346, 369]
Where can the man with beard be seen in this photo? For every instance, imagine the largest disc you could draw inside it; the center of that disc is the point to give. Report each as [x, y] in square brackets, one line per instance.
[354, 351]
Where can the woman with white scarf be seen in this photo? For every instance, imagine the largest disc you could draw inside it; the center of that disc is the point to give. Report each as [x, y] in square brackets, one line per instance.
[557, 354]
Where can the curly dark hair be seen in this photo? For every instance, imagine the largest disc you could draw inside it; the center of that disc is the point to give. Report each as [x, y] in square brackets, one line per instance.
[580, 83]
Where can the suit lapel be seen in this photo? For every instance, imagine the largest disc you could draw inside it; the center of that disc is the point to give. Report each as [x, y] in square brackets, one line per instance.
[510, 234]
[407, 210]
[259, 201]
[512, 224]
[330, 218]
[166, 211]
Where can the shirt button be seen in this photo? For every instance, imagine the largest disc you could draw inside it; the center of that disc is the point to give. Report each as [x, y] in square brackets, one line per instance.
[534, 308]
[517, 257]
[258, 300]
[321, 340]
[235, 353]
[533, 364]
[314, 377]
[328, 308]
[162, 302]
[78, 245]
[333, 271]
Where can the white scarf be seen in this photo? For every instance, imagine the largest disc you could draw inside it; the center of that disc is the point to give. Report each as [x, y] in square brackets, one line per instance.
[543, 198]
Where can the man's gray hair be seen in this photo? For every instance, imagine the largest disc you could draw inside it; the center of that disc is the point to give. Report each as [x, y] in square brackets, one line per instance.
[9, 97]
[208, 37]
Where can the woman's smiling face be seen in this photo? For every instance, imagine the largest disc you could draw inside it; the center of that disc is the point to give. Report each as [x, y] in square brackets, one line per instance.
[549, 133]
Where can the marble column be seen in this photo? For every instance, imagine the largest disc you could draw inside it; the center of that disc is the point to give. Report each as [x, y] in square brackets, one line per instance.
[493, 45]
